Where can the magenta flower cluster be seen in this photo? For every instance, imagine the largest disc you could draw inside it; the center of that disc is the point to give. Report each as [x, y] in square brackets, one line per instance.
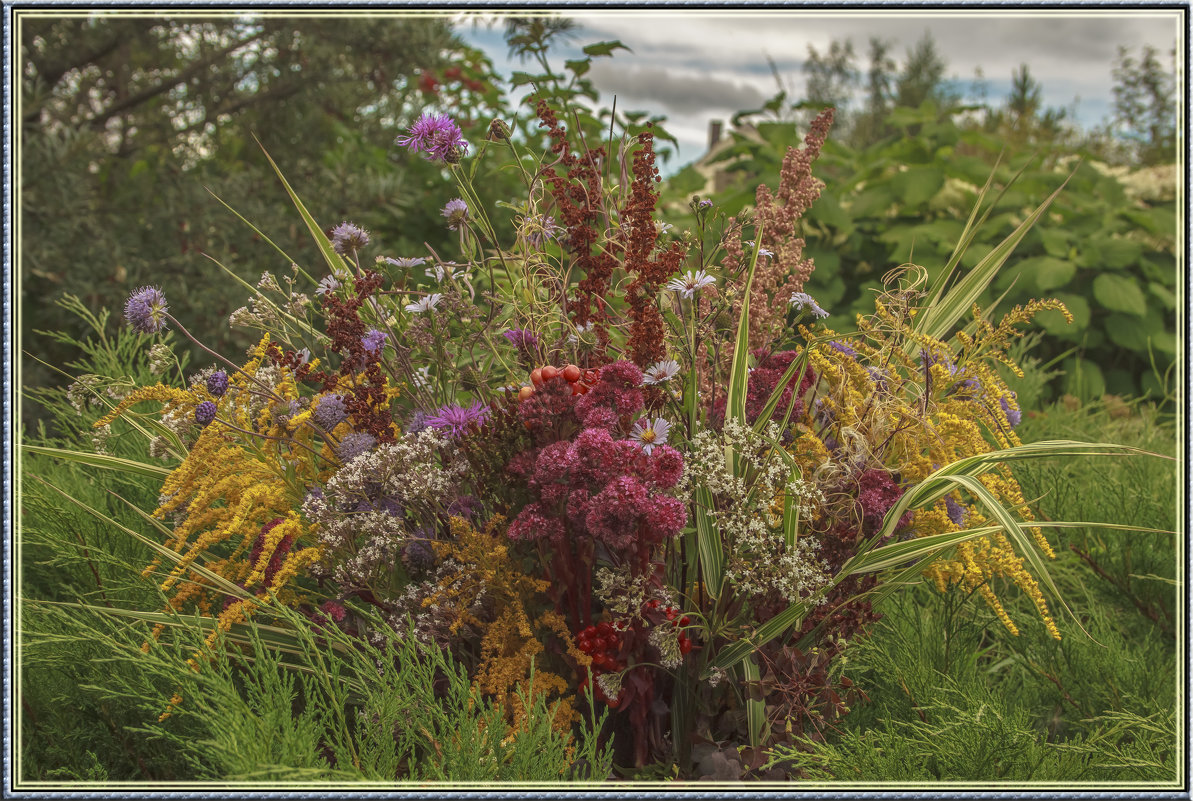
[436, 135]
[597, 484]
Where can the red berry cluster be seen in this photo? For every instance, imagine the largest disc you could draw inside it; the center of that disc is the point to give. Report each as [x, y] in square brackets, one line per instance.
[602, 643]
[581, 380]
[675, 619]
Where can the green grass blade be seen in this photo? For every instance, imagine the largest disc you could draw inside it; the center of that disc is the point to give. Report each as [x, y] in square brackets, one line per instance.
[101, 460]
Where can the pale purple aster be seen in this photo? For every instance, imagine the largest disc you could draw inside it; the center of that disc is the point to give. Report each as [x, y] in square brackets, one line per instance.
[328, 285]
[424, 304]
[660, 372]
[521, 337]
[347, 237]
[205, 413]
[690, 283]
[457, 419]
[330, 412]
[374, 340]
[456, 214]
[354, 444]
[404, 263]
[444, 270]
[801, 300]
[217, 383]
[436, 135]
[145, 310]
[648, 434]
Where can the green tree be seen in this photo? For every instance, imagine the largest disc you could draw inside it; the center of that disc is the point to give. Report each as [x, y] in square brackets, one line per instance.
[1144, 105]
[922, 76]
[127, 119]
[831, 77]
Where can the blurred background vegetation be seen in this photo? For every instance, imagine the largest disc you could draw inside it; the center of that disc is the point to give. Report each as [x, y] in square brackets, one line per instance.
[133, 125]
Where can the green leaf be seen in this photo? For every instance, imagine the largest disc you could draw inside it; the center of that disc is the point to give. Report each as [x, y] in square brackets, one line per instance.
[917, 185]
[1119, 293]
[579, 66]
[102, 461]
[521, 79]
[605, 48]
[1110, 252]
[1047, 272]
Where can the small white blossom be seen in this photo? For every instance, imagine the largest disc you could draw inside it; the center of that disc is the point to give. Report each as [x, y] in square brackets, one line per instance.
[424, 304]
[404, 264]
[649, 434]
[690, 283]
[660, 372]
[444, 270]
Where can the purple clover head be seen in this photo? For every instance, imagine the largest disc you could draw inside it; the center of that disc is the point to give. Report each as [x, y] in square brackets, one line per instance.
[145, 310]
[205, 413]
[435, 135]
[354, 444]
[348, 238]
[330, 412]
[217, 383]
[456, 214]
[457, 419]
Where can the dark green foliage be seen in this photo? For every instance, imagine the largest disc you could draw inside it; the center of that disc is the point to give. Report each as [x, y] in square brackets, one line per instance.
[954, 696]
[1108, 255]
[127, 122]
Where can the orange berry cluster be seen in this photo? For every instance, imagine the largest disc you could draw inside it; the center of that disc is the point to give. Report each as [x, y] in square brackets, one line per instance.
[580, 380]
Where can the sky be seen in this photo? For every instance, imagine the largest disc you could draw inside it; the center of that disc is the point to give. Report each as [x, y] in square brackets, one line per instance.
[697, 65]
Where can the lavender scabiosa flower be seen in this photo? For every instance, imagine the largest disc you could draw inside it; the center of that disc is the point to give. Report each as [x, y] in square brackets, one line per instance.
[660, 372]
[417, 422]
[374, 340]
[145, 310]
[217, 383]
[347, 238]
[456, 214]
[690, 283]
[649, 434]
[955, 511]
[802, 300]
[436, 135]
[704, 204]
[205, 413]
[457, 419]
[330, 411]
[354, 444]
[540, 229]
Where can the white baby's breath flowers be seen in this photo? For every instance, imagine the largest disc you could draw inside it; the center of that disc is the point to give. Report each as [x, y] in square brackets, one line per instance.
[424, 304]
[690, 283]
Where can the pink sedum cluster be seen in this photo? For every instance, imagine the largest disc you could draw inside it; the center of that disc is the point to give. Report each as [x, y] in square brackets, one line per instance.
[595, 484]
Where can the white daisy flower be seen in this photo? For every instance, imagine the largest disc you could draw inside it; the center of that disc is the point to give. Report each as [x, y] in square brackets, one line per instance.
[690, 283]
[445, 270]
[660, 372]
[403, 263]
[648, 434]
[800, 300]
[424, 304]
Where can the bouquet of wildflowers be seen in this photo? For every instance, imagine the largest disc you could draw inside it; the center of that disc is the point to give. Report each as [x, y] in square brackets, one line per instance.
[600, 462]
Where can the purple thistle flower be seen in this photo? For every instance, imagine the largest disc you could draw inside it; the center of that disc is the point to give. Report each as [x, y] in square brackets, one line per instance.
[456, 213]
[521, 337]
[436, 135]
[217, 383]
[457, 419]
[354, 444]
[347, 237]
[330, 412]
[145, 310]
[205, 413]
